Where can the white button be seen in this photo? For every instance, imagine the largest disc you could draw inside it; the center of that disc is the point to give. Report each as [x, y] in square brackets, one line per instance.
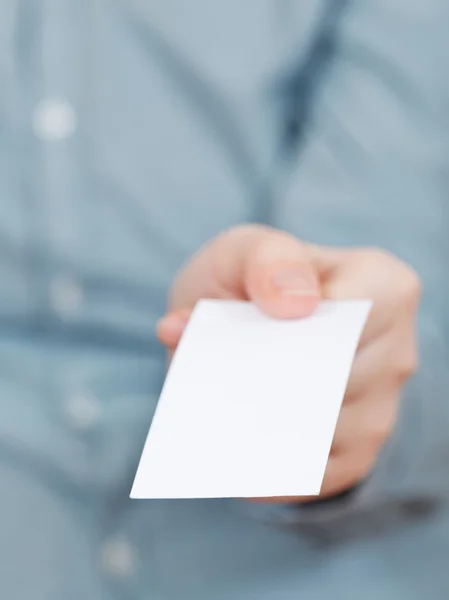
[54, 119]
[83, 410]
[66, 296]
[118, 557]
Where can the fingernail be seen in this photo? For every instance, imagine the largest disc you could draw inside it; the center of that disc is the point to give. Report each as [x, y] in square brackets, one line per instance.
[293, 281]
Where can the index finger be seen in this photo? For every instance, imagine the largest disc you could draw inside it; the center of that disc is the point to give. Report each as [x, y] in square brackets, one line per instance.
[375, 275]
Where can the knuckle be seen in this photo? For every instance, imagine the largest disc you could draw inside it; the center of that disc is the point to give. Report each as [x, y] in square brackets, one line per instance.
[412, 283]
[408, 286]
[346, 471]
[379, 431]
[248, 233]
[357, 470]
[364, 468]
[404, 278]
[408, 283]
[406, 364]
[383, 423]
[378, 257]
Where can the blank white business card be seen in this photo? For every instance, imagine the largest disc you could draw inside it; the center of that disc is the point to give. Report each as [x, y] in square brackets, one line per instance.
[250, 403]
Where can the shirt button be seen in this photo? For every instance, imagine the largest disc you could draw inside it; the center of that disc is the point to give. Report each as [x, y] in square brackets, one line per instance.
[66, 296]
[54, 120]
[83, 410]
[118, 557]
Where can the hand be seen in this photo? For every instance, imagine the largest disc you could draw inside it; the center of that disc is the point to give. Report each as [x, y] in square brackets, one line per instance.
[287, 278]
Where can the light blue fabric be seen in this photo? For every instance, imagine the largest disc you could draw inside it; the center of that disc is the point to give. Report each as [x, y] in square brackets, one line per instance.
[181, 110]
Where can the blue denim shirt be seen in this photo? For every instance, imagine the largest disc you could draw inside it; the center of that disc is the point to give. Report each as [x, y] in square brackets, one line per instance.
[130, 133]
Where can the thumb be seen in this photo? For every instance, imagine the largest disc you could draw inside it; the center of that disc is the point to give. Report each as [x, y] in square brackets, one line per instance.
[253, 262]
[278, 274]
[256, 263]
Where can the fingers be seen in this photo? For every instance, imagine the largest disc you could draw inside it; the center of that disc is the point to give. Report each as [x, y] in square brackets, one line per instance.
[268, 267]
[171, 327]
[393, 287]
[366, 424]
[344, 473]
[286, 279]
[280, 277]
[389, 360]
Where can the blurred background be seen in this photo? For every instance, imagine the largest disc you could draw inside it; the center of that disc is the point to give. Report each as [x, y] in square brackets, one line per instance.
[131, 132]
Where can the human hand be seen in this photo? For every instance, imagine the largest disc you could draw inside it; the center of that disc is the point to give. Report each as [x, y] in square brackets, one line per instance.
[287, 278]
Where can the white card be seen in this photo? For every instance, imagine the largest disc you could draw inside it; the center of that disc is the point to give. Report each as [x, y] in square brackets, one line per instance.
[250, 403]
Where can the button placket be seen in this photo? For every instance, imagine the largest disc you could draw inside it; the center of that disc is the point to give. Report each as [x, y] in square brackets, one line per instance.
[55, 122]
